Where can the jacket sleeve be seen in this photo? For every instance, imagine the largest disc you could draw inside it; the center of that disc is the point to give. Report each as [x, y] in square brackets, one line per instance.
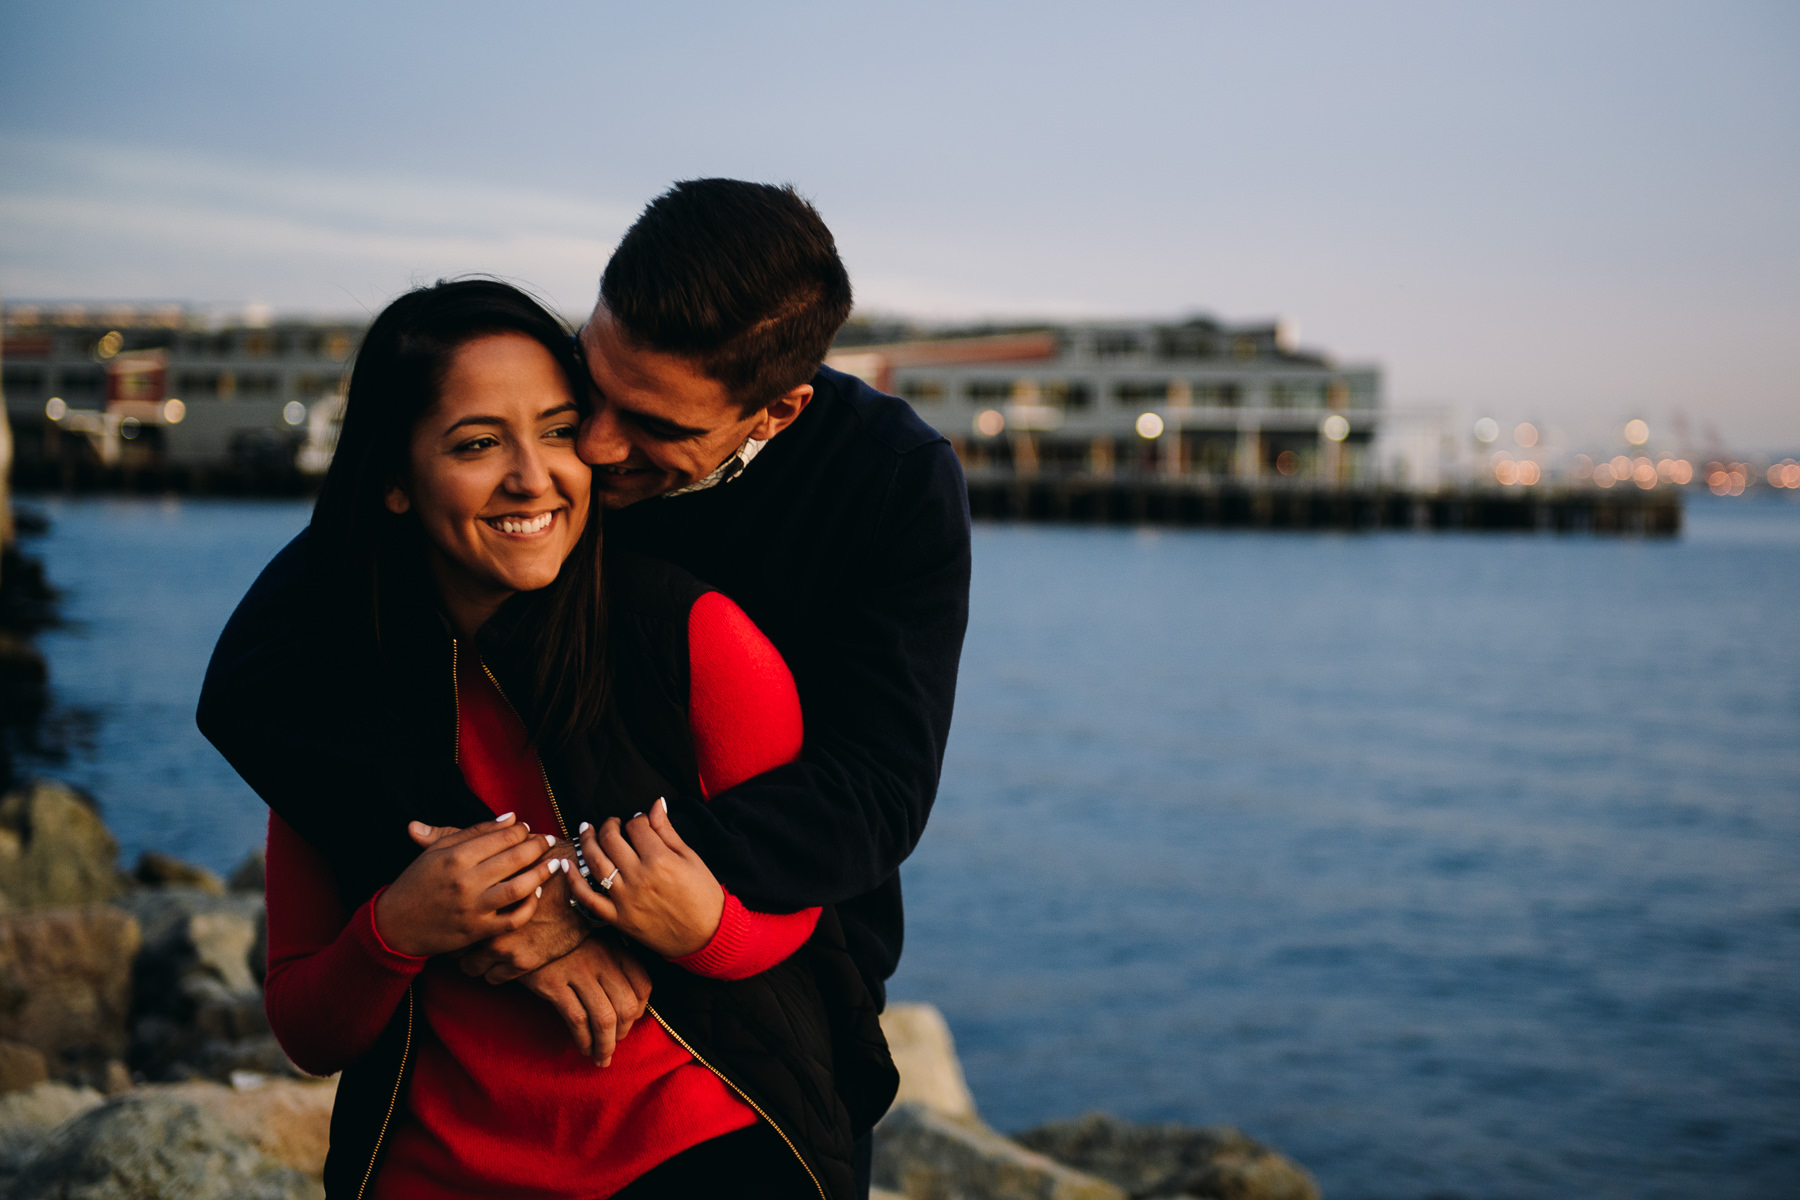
[277, 702]
[318, 956]
[877, 689]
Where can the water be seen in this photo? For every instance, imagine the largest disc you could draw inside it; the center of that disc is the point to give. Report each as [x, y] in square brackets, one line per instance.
[1451, 866]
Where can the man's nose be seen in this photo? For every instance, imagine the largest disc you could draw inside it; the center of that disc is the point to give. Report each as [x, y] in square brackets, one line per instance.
[601, 440]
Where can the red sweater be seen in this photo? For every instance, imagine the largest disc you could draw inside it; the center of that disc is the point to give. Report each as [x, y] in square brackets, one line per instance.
[500, 1102]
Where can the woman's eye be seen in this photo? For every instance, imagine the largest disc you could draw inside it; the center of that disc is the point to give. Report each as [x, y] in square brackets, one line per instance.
[476, 444]
[563, 432]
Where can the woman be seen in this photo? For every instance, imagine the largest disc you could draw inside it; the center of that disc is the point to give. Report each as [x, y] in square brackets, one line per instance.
[458, 568]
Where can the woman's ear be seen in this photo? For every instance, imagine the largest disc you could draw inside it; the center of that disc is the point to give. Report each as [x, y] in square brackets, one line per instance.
[397, 500]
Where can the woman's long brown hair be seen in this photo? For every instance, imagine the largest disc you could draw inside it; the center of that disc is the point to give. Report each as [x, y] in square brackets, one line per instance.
[362, 553]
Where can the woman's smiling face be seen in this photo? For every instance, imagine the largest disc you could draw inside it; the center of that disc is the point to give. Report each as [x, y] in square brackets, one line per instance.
[493, 478]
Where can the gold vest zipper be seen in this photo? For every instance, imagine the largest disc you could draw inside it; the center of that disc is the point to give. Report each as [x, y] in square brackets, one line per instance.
[393, 1100]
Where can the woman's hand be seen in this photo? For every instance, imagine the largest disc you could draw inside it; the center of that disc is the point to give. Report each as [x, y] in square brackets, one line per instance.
[663, 895]
[468, 885]
[598, 989]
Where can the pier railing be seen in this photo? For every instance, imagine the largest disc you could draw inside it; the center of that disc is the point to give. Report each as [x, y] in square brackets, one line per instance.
[1236, 504]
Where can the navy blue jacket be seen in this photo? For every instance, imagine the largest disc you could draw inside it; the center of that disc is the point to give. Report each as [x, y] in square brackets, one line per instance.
[847, 541]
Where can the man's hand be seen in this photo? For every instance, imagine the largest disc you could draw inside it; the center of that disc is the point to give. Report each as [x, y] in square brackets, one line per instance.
[598, 989]
[553, 931]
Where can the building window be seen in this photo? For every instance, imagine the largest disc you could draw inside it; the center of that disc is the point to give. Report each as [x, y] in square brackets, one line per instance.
[21, 382]
[197, 385]
[309, 385]
[256, 345]
[1116, 344]
[922, 391]
[1138, 392]
[259, 385]
[1198, 340]
[989, 391]
[1297, 395]
[81, 383]
[1217, 395]
[1065, 393]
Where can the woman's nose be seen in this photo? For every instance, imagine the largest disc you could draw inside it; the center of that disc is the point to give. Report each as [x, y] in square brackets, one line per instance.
[530, 475]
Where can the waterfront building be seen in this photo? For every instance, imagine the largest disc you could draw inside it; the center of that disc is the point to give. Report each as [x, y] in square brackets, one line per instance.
[181, 388]
[1194, 398]
[170, 385]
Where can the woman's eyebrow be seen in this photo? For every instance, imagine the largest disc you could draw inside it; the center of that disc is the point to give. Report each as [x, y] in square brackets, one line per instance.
[485, 419]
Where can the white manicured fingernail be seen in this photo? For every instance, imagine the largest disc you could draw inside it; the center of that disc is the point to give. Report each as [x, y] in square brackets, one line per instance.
[636, 815]
[584, 827]
[503, 818]
[663, 800]
[540, 893]
[549, 841]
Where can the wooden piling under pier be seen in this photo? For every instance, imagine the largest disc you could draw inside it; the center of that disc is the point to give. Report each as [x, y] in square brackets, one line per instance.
[1229, 505]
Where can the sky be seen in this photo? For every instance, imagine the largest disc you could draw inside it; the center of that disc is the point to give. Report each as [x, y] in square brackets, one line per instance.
[1568, 213]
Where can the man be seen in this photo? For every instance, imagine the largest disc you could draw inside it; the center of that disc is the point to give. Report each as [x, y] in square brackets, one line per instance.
[834, 516]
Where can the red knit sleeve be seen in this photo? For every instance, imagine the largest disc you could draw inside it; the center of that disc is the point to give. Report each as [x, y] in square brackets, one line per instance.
[332, 984]
[745, 714]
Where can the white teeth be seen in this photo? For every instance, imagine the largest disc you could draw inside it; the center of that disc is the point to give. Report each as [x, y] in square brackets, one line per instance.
[536, 524]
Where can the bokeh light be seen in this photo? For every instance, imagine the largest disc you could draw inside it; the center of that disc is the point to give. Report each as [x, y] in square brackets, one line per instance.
[1149, 425]
[990, 422]
[1526, 435]
[1486, 430]
[1335, 428]
[1637, 432]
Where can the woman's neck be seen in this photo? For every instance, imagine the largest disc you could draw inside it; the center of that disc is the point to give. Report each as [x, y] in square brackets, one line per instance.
[468, 606]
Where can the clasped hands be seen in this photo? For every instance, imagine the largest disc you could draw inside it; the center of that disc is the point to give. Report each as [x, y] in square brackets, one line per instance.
[499, 898]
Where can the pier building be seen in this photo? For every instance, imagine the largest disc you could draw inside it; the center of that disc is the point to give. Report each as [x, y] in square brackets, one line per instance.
[160, 386]
[1106, 399]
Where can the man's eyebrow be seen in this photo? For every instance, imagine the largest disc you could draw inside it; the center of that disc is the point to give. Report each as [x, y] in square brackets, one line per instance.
[661, 425]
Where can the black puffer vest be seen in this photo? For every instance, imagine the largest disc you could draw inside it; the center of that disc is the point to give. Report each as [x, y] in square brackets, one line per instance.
[801, 1042]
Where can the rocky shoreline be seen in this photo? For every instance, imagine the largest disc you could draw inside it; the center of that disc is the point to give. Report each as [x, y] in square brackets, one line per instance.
[136, 1061]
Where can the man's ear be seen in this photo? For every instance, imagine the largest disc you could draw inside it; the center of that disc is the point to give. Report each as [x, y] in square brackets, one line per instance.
[397, 500]
[781, 412]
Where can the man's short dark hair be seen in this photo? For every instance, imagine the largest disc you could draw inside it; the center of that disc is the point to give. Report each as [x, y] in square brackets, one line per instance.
[743, 278]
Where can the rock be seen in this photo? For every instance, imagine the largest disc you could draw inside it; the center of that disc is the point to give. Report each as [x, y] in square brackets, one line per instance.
[21, 1066]
[199, 1007]
[248, 876]
[147, 1147]
[65, 980]
[1218, 1163]
[28, 1117]
[927, 1155]
[54, 849]
[156, 869]
[930, 1072]
[287, 1119]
